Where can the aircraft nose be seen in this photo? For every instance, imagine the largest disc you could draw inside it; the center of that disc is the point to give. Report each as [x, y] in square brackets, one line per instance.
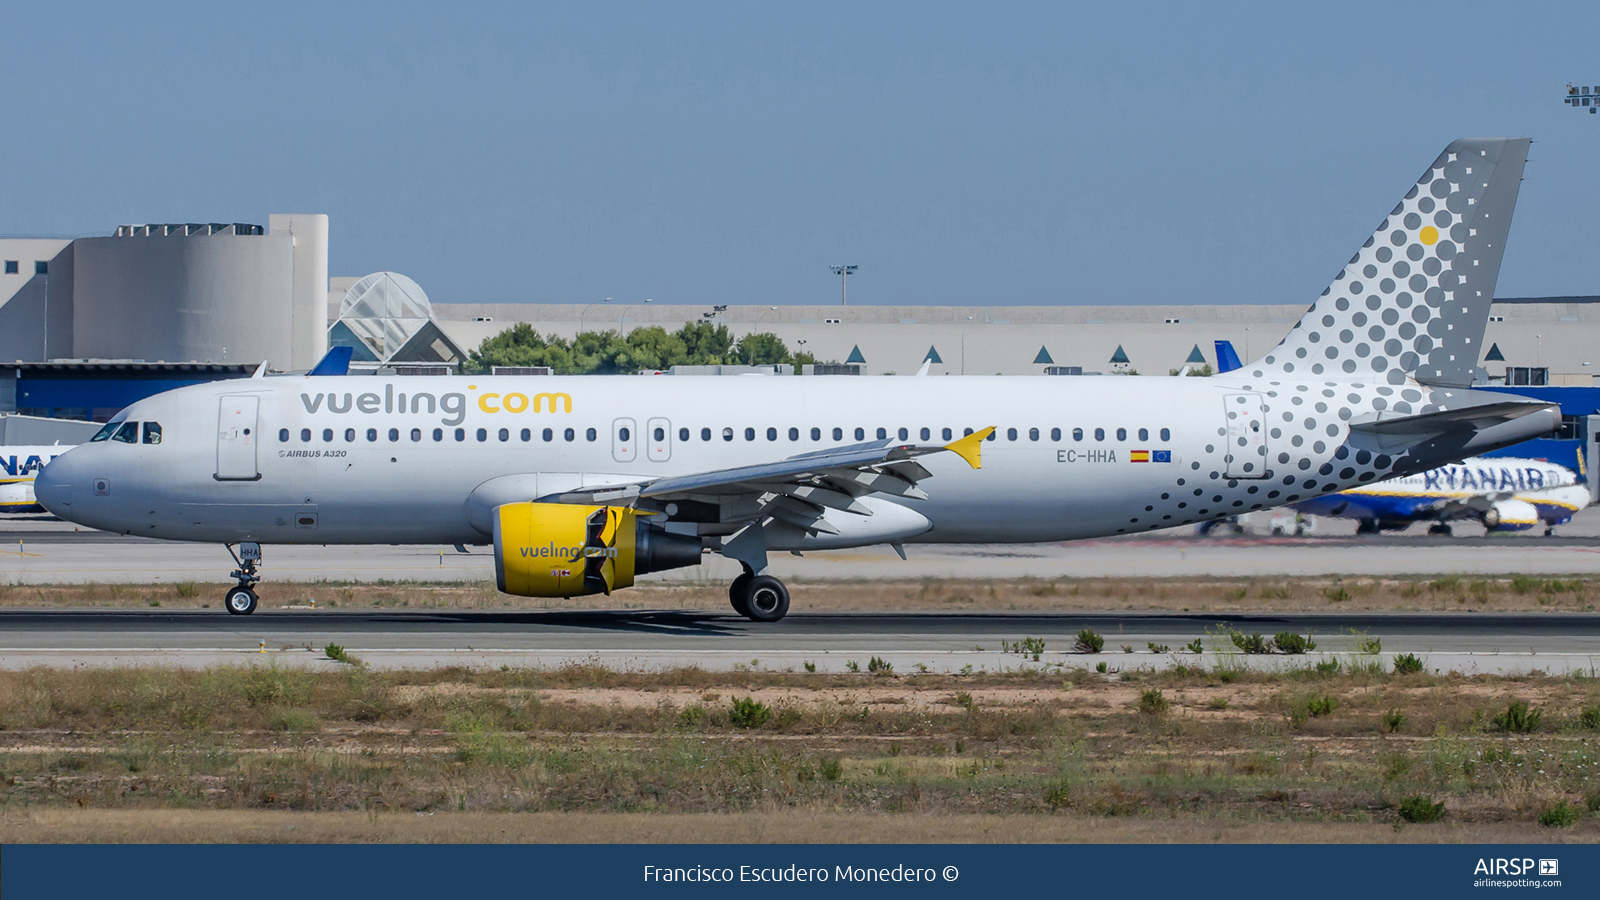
[52, 487]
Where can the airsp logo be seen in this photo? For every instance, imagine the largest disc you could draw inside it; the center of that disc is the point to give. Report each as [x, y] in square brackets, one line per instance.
[1500, 866]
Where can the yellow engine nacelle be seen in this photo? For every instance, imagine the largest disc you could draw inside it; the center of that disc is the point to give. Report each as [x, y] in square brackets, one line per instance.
[567, 550]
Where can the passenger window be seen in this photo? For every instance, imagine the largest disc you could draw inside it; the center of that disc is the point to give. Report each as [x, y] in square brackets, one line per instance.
[882, 434]
[416, 434]
[838, 434]
[904, 434]
[1144, 434]
[1055, 434]
[772, 434]
[926, 434]
[548, 434]
[861, 434]
[483, 435]
[705, 434]
[749, 434]
[683, 434]
[1122, 434]
[461, 434]
[996, 432]
[1033, 434]
[1011, 434]
[1077, 434]
[526, 435]
[1099, 434]
[590, 434]
[505, 435]
[152, 432]
[624, 435]
[946, 434]
[438, 434]
[816, 434]
[394, 434]
[128, 433]
[102, 434]
[569, 435]
[350, 435]
[966, 431]
[727, 434]
[794, 434]
[661, 434]
[283, 433]
[1166, 435]
[372, 434]
[305, 435]
[327, 435]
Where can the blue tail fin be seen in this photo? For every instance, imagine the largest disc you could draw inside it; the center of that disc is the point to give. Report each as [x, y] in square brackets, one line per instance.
[1227, 360]
[337, 362]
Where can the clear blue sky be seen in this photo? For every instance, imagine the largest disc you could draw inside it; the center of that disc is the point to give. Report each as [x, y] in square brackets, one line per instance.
[727, 153]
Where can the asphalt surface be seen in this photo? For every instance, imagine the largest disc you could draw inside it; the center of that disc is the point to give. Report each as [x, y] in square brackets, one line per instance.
[1467, 642]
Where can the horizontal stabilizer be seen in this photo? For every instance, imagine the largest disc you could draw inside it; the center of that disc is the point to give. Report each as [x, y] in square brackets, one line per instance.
[1467, 418]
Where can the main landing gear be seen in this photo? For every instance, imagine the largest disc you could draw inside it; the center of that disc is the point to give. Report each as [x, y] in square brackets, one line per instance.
[760, 598]
[241, 599]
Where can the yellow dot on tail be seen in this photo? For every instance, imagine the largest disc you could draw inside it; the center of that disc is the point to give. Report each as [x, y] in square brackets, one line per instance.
[1429, 235]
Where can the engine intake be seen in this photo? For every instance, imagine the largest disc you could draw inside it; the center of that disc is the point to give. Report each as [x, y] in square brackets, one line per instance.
[567, 550]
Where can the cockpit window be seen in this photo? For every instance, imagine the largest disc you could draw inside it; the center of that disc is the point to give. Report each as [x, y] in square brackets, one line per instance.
[105, 432]
[152, 432]
[128, 433]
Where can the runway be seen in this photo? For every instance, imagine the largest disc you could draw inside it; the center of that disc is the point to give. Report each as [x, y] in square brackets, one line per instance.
[1468, 642]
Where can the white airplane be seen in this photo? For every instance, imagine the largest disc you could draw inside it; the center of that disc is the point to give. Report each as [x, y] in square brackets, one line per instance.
[1503, 493]
[19, 465]
[583, 483]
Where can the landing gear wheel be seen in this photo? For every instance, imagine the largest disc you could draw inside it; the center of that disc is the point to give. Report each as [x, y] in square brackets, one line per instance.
[1440, 529]
[739, 594]
[1368, 526]
[241, 601]
[766, 599]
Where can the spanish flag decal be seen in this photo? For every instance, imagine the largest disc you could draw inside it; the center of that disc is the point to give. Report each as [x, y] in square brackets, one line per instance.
[1138, 456]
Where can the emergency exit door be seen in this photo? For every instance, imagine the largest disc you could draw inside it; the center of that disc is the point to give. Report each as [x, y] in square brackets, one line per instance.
[237, 438]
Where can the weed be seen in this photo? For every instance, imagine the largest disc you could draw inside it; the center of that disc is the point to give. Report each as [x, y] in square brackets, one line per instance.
[1158, 648]
[1219, 703]
[1249, 643]
[1289, 642]
[1407, 664]
[811, 667]
[1328, 667]
[1370, 646]
[852, 665]
[1058, 794]
[1337, 593]
[749, 713]
[1589, 717]
[1153, 703]
[1419, 809]
[1026, 647]
[1321, 706]
[1089, 642]
[1393, 720]
[1591, 801]
[188, 590]
[1518, 718]
[152, 602]
[1101, 667]
[338, 654]
[831, 768]
[1562, 815]
[964, 700]
[692, 714]
[879, 666]
[1195, 647]
[1522, 584]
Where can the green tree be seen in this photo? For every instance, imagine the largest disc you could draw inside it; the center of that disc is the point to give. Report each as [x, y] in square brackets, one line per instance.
[611, 353]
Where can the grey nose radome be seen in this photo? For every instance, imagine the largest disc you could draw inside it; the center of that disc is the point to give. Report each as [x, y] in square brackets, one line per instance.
[53, 485]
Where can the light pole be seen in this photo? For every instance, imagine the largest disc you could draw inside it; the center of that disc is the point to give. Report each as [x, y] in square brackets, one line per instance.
[585, 313]
[844, 273]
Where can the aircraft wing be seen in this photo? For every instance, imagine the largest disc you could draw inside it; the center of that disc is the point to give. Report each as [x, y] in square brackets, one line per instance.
[800, 488]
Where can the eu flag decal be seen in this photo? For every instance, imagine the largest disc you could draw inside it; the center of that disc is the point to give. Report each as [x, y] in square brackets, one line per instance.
[1138, 456]
[1162, 456]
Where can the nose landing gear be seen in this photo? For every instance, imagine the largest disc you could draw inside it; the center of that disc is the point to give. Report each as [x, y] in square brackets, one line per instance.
[241, 599]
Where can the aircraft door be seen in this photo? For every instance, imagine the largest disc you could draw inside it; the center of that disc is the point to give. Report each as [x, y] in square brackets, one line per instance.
[1247, 436]
[237, 435]
[658, 440]
[624, 441]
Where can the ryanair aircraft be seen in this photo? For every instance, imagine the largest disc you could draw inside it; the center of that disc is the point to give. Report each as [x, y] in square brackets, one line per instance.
[581, 484]
[1502, 493]
[18, 467]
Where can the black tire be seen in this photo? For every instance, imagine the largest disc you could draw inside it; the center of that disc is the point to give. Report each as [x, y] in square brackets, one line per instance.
[738, 594]
[766, 599]
[1368, 526]
[241, 601]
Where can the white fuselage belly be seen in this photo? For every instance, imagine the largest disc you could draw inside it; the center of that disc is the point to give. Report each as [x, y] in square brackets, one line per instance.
[410, 491]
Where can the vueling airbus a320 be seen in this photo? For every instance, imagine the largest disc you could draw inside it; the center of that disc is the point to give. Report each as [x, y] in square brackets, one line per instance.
[581, 484]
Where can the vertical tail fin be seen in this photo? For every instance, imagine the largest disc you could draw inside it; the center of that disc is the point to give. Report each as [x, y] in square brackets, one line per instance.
[1414, 300]
[1227, 359]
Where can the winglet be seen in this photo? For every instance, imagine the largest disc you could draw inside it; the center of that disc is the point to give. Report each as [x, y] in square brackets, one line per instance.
[970, 447]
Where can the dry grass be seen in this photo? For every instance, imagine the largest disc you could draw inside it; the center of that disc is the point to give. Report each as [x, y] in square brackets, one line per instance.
[583, 753]
[1172, 594]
